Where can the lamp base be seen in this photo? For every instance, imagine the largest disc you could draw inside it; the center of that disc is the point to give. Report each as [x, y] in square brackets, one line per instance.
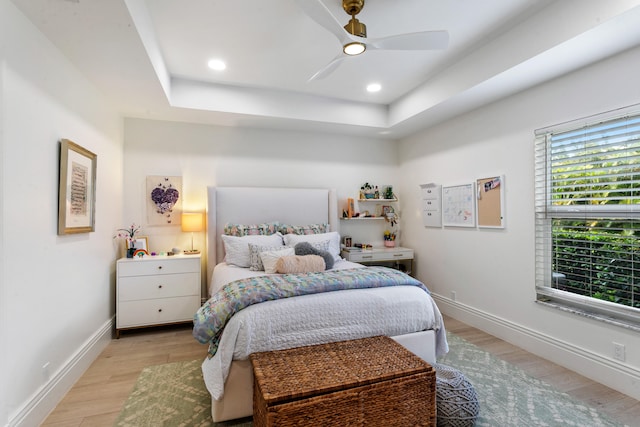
[191, 252]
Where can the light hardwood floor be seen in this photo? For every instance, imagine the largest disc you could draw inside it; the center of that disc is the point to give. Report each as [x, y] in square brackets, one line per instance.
[96, 399]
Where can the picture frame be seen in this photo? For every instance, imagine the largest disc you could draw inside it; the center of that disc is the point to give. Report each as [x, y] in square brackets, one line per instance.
[76, 189]
[141, 242]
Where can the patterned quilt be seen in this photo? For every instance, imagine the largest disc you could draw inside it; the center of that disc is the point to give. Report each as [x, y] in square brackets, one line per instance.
[211, 318]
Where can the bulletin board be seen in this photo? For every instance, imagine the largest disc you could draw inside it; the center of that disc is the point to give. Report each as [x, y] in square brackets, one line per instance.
[458, 205]
[490, 201]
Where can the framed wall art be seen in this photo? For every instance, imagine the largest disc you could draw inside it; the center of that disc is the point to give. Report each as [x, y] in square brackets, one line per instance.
[76, 189]
[164, 200]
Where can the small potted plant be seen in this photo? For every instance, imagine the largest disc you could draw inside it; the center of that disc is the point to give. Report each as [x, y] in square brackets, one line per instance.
[129, 235]
[389, 238]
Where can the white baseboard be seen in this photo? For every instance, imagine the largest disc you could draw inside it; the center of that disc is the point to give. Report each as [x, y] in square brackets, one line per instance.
[620, 377]
[35, 411]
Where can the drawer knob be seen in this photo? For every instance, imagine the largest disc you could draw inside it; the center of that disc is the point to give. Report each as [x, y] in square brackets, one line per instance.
[159, 310]
[159, 286]
[159, 267]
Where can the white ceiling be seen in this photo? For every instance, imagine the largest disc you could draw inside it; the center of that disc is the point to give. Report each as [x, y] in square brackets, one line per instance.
[150, 57]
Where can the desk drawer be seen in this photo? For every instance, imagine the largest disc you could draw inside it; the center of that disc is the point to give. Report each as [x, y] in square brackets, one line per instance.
[365, 256]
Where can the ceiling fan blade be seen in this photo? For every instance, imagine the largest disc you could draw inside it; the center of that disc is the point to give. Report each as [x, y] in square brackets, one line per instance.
[424, 40]
[319, 12]
[327, 69]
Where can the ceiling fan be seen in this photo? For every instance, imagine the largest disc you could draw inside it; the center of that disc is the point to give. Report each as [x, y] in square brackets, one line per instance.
[353, 36]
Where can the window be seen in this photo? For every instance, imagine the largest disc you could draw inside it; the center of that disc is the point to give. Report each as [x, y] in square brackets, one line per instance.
[588, 217]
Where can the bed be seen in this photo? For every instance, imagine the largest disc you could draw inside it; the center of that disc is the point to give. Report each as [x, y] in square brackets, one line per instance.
[407, 313]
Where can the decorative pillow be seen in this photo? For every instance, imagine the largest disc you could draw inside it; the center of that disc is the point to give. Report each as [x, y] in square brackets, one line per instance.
[240, 230]
[303, 229]
[300, 264]
[236, 249]
[306, 248]
[333, 237]
[270, 258]
[255, 262]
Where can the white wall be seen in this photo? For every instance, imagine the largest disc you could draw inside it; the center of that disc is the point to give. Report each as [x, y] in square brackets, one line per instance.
[56, 293]
[224, 156]
[492, 271]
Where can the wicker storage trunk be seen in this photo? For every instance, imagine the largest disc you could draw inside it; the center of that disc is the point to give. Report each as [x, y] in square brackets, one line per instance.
[366, 382]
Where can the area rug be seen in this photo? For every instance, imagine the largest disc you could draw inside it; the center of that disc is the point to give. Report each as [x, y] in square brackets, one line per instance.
[510, 397]
[171, 395]
[174, 395]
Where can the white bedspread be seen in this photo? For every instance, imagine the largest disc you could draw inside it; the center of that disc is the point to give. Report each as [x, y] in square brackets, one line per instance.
[317, 319]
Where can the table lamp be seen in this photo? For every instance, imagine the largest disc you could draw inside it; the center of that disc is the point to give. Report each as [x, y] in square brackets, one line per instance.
[192, 222]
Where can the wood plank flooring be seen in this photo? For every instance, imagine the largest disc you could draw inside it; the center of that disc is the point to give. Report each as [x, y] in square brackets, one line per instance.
[97, 398]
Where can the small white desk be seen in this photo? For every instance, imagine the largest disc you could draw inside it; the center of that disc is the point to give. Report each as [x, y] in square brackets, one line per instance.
[398, 257]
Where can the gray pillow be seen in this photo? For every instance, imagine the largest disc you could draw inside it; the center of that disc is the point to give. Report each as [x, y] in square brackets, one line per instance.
[306, 248]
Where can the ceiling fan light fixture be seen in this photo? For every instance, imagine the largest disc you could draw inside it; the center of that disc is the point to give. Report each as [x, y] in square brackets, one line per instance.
[354, 48]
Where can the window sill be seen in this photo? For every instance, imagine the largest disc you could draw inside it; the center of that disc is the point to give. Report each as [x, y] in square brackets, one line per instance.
[622, 323]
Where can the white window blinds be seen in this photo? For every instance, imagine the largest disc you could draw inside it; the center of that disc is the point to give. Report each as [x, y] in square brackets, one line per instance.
[588, 215]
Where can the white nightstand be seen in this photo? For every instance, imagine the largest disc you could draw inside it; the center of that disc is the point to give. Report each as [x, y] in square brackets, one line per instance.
[394, 257]
[156, 290]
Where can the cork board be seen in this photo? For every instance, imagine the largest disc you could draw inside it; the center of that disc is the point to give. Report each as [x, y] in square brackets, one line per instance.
[490, 202]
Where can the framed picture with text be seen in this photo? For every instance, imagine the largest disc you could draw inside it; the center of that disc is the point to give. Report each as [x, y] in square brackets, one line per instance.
[76, 189]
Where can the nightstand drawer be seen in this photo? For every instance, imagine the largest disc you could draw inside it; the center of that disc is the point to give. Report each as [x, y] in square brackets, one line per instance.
[159, 286]
[157, 311]
[160, 266]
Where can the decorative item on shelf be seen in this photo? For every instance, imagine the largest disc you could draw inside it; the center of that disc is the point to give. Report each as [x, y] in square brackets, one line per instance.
[192, 222]
[367, 191]
[130, 235]
[390, 215]
[389, 238]
[388, 192]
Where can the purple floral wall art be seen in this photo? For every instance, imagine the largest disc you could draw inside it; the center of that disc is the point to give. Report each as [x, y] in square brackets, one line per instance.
[164, 200]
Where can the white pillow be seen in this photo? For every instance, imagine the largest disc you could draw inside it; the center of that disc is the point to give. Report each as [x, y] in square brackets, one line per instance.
[333, 237]
[236, 249]
[255, 262]
[270, 258]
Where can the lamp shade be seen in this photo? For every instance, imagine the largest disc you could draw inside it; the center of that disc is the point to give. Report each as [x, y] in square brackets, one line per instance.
[192, 222]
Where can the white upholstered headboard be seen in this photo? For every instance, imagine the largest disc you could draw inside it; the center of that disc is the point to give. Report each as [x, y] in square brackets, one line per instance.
[256, 205]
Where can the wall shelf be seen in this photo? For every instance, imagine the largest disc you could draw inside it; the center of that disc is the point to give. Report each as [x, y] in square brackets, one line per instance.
[363, 218]
[378, 200]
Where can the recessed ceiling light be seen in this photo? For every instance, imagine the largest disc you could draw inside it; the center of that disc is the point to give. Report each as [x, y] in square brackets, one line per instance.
[374, 87]
[217, 64]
